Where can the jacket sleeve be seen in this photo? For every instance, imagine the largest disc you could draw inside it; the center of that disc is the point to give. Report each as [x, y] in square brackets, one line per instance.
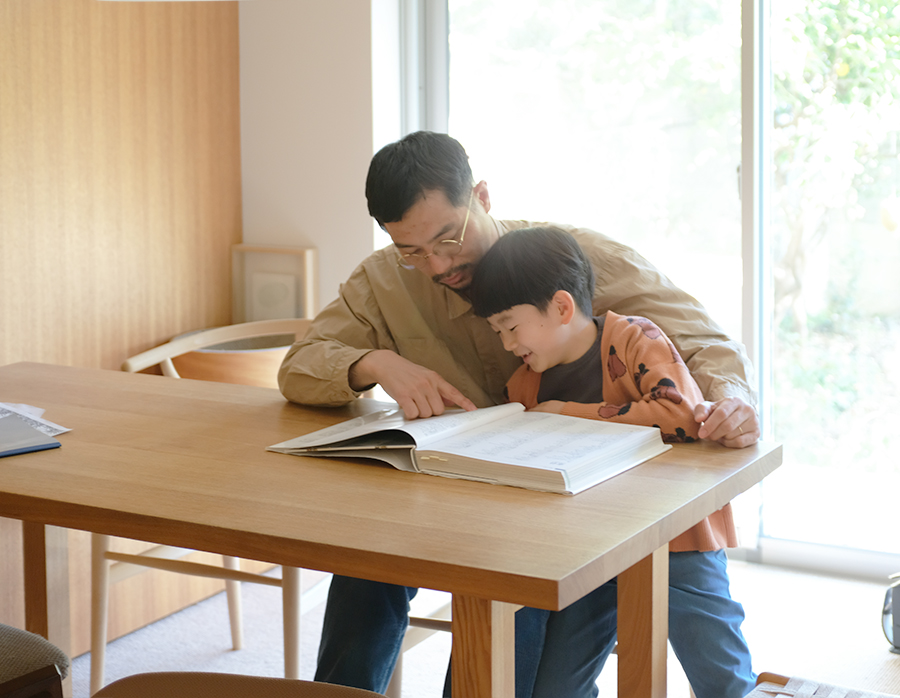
[315, 369]
[644, 381]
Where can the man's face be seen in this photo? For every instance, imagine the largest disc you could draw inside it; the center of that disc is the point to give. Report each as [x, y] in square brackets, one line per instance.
[433, 219]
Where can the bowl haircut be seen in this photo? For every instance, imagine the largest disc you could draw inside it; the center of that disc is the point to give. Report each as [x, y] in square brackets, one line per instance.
[527, 267]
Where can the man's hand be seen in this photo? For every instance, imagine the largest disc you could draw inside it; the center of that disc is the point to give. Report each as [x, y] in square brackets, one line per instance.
[732, 422]
[419, 391]
[554, 406]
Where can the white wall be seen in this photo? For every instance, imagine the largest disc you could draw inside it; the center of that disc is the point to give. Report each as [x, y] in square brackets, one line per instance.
[307, 124]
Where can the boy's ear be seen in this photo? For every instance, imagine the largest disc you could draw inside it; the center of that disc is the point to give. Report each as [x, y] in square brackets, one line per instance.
[564, 305]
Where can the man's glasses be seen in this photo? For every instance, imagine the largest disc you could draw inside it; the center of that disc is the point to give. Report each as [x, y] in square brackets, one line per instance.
[444, 248]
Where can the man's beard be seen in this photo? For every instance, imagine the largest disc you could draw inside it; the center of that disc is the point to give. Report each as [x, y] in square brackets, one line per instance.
[438, 278]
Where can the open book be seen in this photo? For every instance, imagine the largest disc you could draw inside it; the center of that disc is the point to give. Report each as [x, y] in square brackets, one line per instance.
[502, 445]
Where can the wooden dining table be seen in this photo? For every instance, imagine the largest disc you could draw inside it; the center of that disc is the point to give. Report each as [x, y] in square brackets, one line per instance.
[184, 463]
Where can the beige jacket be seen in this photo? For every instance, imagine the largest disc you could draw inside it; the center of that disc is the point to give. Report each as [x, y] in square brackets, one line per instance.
[384, 307]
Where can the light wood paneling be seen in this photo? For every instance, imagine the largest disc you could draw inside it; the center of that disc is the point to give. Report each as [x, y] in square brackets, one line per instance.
[119, 176]
[120, 200]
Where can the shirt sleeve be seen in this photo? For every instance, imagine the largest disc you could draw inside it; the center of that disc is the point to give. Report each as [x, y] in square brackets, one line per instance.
[645, 381]
[315, 369]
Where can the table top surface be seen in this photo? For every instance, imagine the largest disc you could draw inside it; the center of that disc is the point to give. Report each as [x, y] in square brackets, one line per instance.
[183, 462]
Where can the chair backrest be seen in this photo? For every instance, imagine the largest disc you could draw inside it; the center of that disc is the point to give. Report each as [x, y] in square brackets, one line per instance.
[163, 354]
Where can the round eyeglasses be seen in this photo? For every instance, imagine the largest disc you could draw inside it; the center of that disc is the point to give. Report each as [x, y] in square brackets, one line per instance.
[444, 248]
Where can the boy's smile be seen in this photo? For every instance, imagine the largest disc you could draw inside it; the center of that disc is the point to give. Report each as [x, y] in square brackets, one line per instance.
[559, 334]
[539, 338]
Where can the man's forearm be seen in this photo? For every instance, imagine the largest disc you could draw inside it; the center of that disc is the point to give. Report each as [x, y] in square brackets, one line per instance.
[360, 375]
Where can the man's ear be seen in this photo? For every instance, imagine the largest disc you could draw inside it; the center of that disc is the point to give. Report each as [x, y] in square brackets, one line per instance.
[563, 305]
[481, 193]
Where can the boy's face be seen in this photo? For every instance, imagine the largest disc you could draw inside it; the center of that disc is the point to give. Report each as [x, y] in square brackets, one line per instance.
[538, 337]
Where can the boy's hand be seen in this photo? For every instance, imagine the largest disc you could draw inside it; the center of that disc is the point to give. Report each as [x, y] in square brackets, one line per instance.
[732, 422]
[554, 406]
[419, 391]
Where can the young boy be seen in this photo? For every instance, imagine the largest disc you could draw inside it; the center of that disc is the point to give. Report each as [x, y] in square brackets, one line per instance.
[535, 287]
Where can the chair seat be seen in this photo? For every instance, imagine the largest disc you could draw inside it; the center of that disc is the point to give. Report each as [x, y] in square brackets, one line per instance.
[174, 684]
[24, 652]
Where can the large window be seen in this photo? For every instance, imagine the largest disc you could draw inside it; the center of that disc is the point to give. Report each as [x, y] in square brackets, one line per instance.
[625, 116]
[621, 116]
[835, 240]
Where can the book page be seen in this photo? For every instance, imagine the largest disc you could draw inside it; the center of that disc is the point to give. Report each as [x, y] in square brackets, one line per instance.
[542, 440]
[342, 431]
[32, 416]
[423, 431]
[398, 456]
[427, 431]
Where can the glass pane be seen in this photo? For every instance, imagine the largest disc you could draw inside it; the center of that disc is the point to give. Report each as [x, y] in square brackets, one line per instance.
[836, 247]
[621, 115]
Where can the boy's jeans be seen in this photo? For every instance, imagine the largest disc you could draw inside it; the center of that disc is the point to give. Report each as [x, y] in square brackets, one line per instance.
[558, 654]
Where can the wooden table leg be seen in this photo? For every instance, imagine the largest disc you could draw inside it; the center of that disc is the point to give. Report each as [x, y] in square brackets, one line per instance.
[484, 651]
[46, 553]
[643, 622]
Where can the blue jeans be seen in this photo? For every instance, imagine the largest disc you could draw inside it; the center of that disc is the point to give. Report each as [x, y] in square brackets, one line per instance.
[558, 654]
[704, 630]
[364, 626]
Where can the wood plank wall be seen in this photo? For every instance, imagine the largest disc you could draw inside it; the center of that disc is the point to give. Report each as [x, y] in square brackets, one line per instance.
[120, 194]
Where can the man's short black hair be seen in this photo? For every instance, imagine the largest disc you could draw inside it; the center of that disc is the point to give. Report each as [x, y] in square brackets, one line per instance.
[401, 172]
[527, 267]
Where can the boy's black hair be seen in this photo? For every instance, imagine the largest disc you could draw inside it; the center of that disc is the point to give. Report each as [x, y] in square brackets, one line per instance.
[401, 172]
[528, 266]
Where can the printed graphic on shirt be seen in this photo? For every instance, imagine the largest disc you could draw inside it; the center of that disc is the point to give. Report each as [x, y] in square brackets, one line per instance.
[679, 437]
[666, 390]
[641, 372]
[614, 365]
[608, 411]
[650, 330]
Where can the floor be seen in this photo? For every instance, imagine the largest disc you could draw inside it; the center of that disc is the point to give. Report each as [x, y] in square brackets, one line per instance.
[798, 624]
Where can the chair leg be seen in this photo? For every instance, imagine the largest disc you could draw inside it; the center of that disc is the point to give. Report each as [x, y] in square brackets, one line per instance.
[233, 593]
[290, 613]
[99, 608]
[395, 687]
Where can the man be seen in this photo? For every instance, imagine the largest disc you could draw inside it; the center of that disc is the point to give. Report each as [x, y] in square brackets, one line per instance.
[403, 321]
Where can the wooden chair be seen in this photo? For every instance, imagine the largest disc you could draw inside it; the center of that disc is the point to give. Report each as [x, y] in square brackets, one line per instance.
[30, 666]
[207, 685]
[108, 567]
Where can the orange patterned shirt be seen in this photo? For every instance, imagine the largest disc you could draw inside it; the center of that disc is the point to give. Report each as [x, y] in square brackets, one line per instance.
[644, 382]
